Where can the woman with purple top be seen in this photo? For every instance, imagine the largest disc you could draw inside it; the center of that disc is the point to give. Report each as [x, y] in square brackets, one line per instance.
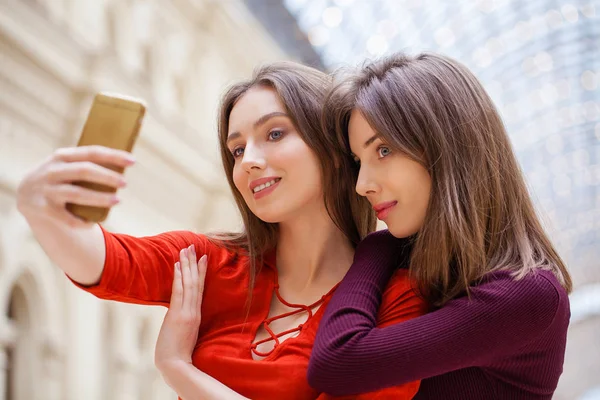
[424, 128]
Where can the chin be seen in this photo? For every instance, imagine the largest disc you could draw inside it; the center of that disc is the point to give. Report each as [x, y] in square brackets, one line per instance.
[401, 232]
[267, 216]
[270, 214]
[270, 219]
[280, 211]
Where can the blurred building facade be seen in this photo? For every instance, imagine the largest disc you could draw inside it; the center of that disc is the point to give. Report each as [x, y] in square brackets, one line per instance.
[540, 61]
[56, 342]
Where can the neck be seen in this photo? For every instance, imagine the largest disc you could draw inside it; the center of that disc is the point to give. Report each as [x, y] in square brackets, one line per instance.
[312, 251]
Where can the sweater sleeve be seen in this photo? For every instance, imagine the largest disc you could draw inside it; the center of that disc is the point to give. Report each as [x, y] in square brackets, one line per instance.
[399, 303]
[501, 316]
[139, 270]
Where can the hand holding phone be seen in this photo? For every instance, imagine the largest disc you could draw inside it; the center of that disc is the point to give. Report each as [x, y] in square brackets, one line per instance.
[114, 122]
[77, 185]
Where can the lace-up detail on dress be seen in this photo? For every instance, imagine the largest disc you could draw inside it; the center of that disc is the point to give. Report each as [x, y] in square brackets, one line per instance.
[275, 336]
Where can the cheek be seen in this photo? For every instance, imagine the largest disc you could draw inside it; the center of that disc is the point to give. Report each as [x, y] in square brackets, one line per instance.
[240, 179]
[422, 191]
[291, 148]
[297, 157]
[412, 181]
[307, 166]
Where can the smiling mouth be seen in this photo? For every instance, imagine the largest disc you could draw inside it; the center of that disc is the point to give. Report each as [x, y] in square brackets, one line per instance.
[265, 185]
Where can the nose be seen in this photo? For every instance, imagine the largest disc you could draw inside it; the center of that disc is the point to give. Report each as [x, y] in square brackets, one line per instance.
[366, 183]
[253, 158]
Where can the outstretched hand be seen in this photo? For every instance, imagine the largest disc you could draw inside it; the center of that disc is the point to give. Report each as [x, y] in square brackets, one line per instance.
[179, 331]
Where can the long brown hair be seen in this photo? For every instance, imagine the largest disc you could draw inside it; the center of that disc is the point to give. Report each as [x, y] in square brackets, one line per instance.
[480, 216]
[302, 91]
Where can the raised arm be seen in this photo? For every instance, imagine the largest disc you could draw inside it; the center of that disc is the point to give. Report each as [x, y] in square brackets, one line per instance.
[75, 246]
[501, 316]
[110, 266]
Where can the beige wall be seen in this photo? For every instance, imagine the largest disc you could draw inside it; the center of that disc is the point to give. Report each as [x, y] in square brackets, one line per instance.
[56, 342]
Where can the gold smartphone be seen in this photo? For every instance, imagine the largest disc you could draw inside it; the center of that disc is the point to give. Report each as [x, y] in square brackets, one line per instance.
[113, 121]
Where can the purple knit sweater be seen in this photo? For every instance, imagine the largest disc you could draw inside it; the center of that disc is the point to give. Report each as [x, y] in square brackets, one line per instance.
[506, 342]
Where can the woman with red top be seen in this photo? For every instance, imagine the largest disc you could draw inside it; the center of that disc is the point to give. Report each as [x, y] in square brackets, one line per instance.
[420, 126]
[262, 292]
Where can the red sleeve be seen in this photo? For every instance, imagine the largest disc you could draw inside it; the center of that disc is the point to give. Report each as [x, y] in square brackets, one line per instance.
[139, 270]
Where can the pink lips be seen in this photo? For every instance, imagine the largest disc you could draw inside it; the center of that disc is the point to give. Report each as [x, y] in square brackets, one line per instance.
[383, 209]
[265, 191]
[258, 182]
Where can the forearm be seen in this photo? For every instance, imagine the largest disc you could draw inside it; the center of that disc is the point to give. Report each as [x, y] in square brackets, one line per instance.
[78, 251]
[349, 343]
[382, 357]
[191, 384]
[499, 318]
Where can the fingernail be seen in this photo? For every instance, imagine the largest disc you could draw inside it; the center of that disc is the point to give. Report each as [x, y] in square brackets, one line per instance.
[185, 252]
[193, 248]
[122, 183]
[115, 200]
[203, 258]
[130, 160]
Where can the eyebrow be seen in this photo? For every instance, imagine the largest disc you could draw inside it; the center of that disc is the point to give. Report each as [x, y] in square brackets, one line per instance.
[261, 121]
[370, 141]
[367, 143]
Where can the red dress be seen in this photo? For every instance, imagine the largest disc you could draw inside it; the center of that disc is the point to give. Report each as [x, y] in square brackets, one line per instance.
[140, 271]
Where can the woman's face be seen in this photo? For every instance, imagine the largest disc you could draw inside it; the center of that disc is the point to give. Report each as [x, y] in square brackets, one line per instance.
[277, 174]
[397, 187]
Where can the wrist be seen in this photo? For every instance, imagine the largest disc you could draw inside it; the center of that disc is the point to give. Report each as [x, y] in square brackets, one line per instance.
[27, 210]
[382, 247]
[35, 216]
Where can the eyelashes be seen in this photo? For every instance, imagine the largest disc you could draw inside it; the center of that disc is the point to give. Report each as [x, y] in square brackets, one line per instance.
[273, 136]
[383, 151]
[237, 152]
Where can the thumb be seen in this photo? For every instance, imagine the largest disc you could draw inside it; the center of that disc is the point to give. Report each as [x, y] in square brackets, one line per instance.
[202, 267]
[177, 289]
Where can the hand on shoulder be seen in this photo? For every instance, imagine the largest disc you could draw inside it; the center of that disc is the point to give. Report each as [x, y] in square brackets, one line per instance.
[382, 245]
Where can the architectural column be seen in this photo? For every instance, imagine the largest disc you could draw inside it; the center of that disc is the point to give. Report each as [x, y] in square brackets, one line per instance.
[3, 373]
[52, 368]
[83, 370]
[6, 343]
[126, 355]
[15, 349]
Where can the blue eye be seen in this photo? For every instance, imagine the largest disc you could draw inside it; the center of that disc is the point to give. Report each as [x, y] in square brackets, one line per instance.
[276, 134]
[237, 152]
[384, 151]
